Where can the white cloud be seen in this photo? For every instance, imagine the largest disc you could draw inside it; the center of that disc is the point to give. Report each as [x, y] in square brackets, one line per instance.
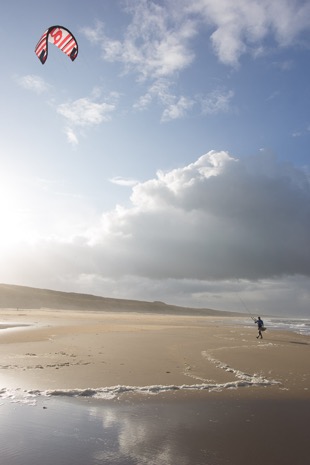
[217, 218]
[159, 90]
[190, 236]
[178, 109]
[243, 26]
[71, 136]
[158, 43]
[84, 112]
[174, 107]
[33, 83]
[126, 182]
[158, 40]
[87, 112]
[154, 45]
[217, 101]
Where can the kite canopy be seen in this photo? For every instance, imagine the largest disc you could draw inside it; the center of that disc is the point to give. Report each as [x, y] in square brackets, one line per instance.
[62, 38]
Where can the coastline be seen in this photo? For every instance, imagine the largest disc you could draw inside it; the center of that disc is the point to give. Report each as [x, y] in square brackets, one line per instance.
[102, 388]
[72, 352]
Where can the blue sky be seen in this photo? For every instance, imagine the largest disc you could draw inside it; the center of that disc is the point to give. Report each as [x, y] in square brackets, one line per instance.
[169, 161]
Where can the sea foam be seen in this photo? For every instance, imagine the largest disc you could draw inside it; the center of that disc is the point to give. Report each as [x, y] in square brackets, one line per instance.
[112, 392]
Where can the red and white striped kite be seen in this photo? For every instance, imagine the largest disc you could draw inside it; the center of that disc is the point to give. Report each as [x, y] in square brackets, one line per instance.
[62, 38]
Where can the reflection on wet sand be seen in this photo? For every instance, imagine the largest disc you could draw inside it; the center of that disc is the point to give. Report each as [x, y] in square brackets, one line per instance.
[178, 429]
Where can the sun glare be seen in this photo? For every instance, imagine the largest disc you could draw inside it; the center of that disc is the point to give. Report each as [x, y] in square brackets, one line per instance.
[12, 227]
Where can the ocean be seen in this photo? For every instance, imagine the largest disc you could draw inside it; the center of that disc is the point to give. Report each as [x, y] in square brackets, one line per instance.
[295, 325]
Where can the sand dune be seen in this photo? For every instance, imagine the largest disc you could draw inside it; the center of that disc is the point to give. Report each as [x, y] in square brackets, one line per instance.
[12, 296]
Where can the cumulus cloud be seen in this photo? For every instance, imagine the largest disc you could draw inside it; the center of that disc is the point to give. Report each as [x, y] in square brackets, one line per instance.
[158, 43]
[158, 40]
[243, 26]
[160, 90]
[153, 45]
[217, 218]
[81, 113]
[191, 232]
[86, 112]
[33, 83]
[156, 48]
[175, 107]
[178, 109]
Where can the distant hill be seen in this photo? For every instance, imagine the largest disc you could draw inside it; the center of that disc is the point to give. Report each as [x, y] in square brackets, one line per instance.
[22, 297]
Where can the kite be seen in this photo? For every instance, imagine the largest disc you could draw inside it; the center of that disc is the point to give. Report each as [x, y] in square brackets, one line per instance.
[59, 36]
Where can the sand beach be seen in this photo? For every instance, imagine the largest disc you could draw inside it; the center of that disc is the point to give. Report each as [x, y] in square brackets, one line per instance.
[141, 388]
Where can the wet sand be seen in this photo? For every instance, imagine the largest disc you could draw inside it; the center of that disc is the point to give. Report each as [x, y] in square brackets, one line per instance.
[211, 430]
[155, 390]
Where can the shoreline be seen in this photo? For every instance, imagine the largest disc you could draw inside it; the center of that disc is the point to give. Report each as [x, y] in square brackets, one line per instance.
[106, 355]
[153, 390]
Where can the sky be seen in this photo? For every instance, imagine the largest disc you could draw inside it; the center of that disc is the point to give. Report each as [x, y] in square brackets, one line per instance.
[168, 162]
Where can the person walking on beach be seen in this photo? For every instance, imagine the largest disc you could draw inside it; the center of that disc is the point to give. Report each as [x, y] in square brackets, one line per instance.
[260, 326]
